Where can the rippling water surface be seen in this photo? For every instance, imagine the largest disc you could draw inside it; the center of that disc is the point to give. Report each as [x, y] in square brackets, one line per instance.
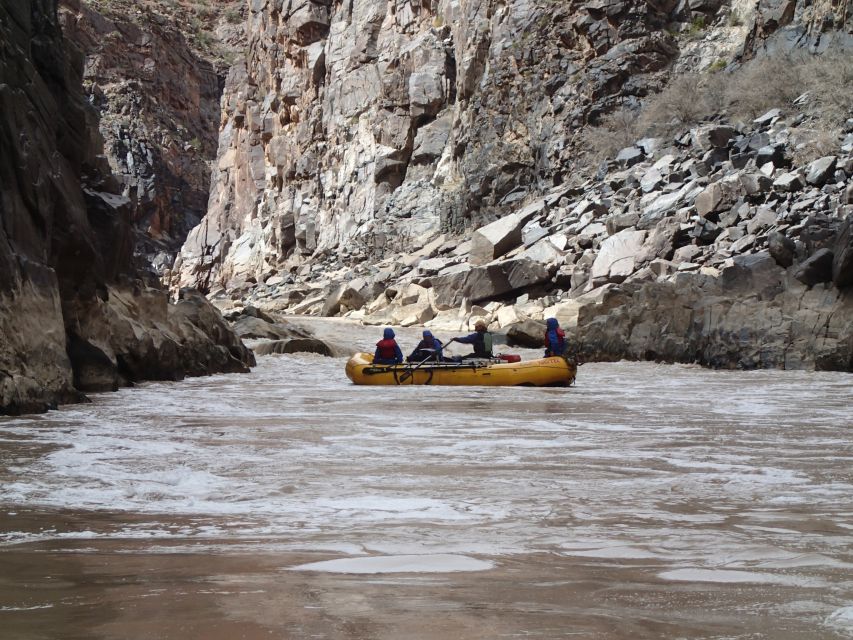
[647, 501]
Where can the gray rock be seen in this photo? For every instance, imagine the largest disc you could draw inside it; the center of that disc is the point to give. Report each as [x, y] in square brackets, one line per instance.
[529, 334]
[617, 223]
[816, 269]
[791, 181]
[719, 136]
[781, 248]
[842, 264]
[617, 255]
[629, 156]
[495, 239]
[768, 117]
[819, 171]
[294, 345]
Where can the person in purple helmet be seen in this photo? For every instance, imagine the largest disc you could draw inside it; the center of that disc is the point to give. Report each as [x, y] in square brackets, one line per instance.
[429, 348]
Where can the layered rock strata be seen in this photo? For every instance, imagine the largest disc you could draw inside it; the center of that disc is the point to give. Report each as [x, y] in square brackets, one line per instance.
[75, 316]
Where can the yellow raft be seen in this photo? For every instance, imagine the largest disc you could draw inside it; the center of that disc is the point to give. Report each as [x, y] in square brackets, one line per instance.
[544, 372]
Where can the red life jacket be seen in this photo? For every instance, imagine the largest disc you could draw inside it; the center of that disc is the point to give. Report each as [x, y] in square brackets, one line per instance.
[386, 348]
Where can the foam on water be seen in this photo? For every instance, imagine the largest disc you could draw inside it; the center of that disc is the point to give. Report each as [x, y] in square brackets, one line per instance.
[439, 563]
[641, 462]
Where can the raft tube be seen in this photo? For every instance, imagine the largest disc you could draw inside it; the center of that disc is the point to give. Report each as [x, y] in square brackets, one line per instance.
[544, 372]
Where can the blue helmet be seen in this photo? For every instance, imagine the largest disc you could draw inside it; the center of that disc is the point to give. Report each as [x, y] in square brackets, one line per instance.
[552, 323]
[427, 333]
[388, 333]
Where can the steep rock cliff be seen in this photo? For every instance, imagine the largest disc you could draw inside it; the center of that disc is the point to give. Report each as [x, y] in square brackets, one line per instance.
[366, 146]
[67, 279]
[356, 126]
[155, 71]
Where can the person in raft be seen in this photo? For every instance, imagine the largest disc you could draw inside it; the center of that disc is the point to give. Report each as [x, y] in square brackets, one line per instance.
[480, 339]
[387, 349]
[429, 348]
[555, 338]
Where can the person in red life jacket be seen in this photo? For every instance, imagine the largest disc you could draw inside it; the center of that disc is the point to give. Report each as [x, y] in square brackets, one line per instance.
[555, 338]
[429, 348]
[387, 349]
[480, 339]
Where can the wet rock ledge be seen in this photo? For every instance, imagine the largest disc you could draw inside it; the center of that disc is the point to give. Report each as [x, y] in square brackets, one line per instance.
[76, 314]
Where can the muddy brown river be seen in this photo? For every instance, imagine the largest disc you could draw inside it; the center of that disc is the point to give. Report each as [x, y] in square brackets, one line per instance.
[648, 501]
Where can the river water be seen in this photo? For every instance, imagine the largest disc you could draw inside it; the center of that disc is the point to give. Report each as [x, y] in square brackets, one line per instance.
[648, 501]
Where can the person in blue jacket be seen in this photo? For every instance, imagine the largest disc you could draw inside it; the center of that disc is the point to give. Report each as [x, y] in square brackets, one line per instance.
[387, 349]
[481, 340]
[555, 339]
[429, 348]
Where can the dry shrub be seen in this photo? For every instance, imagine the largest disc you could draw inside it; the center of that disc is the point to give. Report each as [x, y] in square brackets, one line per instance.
[744, 93]
[687, 100]
[810, 144]
[829, 79]
[764, 84]
[614, 132]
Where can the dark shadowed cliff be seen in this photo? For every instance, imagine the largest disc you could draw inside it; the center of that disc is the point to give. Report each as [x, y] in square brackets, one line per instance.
[75, 314]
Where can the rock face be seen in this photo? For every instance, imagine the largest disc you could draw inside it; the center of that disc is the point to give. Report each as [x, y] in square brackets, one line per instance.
[361, 129]
[75, 315]
[152, 74]
[416, 163]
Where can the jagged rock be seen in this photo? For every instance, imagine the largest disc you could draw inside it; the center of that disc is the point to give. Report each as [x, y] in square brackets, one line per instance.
[772, 154]
[495, 239]
[781, 248]
[754, 184]
[771, 115]
[754, 272]
[250, 327]
[820, 170]
[720, 135]
[617, 255]
[816, 269]
[629, 156]
[791, 181]
[620, 222]
[345, 296]
[487, 282]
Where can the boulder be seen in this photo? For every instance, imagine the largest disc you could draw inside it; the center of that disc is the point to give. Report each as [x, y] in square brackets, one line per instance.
[250, 327]
[816, 269]
[495, 239]
[755, 272]
[791, 181]
[617, 255]
[487, 282]
[781, 248]
[819, 171]
[629, 156]
[294, 345]
[527, 333]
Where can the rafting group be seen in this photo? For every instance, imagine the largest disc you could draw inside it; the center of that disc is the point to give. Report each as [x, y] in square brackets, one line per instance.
[428, 364]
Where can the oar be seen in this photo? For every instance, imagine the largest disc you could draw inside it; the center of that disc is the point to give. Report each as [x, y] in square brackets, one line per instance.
[411, 372]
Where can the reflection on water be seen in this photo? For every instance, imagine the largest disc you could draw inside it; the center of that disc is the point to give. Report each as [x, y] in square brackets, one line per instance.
[716, 499]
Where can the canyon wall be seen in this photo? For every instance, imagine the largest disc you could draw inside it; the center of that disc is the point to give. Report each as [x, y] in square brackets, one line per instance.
[76, 315]
[418, 163]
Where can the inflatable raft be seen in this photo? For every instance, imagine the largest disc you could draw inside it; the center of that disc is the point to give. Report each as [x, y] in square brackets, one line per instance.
[544, 372]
